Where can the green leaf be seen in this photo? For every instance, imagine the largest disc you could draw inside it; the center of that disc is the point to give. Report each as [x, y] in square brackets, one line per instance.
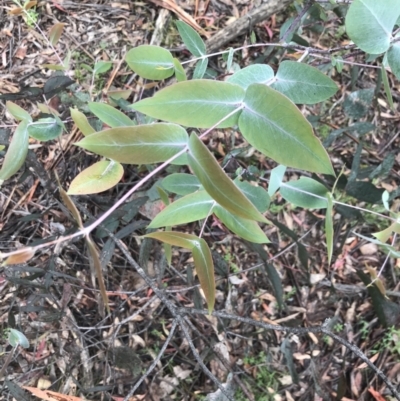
[181, 183]
[102, 67]
[275, 179]
[217, 183]
[357, 103]
[143, 144]
[385, 234]
[205, 271]
[18, 112]
[258, 196]
[175, 238]
[99, 177]
[151, 62]
[190, 208]
[230, 59]
[200, 69]
[198, 103]
[386, 86]
[253, 74]
[16, 153]
[179, 71]
[274, 125]
[306, 193]
[393, 57]
[45, 129]
[302, 83]
[369, 24]
[110, 115]
[244, 228]
[16, 338]
[81, 122]
[329, 227]
[191, 39]
[55, 33]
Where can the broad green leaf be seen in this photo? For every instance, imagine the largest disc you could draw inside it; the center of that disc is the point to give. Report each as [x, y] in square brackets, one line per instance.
[16, 338]
[274, 126]
[151, 62]
[253, 74]
[200, 69]
[81, 122]
[258, 196]
[45, 129]
[179, 71]
[175, 238]
[306, 193]
[205, 271]
[110, 115]
[302, 83]
[217, 183]
[393, 57]
[143, 144]
[18, 112]
[99, 177]
[102, 67]
[244, 228]
[275, 179]
[197, 103]
[55, 33]
[386, 86]
[191, 39]
[329, 227]
[16, 153]
[192, 207]
[181, 183]
[369, 24]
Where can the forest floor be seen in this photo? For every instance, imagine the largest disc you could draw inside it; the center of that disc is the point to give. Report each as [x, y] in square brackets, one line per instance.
[75, 350]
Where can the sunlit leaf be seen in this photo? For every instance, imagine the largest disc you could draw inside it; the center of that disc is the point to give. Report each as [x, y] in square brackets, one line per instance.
[265, 124]
[56, 32]
[244, 228]
[16, 153]
[142, 144]
[197, 103]
[191, 39]
[151, 62]
[81, 122]
[181, 183]
[253, 74]
[110, 115]
[45, 129]
[190, 208]
[99, 177]
[217, 183]
[306, 193]
[369, 24]
[302, 83]
[18, 112]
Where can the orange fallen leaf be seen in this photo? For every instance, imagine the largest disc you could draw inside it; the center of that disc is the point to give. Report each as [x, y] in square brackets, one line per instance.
[48, 395]
[376, 395]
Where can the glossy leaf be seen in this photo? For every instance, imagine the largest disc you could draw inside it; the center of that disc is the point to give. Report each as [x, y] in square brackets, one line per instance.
[192, 207]
[99, 177]
[200, 68]
[244, 228]
[302, 83]
[197, 103]
[18, 112]
[45, 129]
[191, 39]
[253, 74]
[205, 271]
[306, 193]
[181, 183]
[258, 196]
[329, 227]
[265, 124]
[110, 115]
[179, 71]
[393, 57]
[275, 179]
[56, 32]
[151, 62]
[369, 24]
[16, 153]
[217, 183]
[81, 122]
[142, 144]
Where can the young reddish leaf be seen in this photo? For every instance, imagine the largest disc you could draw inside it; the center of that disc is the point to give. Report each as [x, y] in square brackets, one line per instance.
[82, 122]
[21, 257]
[99, 177]
[55, 33]
[217, 183]
[48, 395]
[18, 112]
[16, 153]
[142, 144]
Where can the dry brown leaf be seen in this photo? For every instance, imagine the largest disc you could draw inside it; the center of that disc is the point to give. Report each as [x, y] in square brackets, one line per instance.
[21, 257]
[48, 395]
